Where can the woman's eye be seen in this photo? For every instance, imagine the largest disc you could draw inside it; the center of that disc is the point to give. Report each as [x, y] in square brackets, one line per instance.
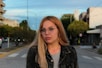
[51, 29]
[43, 30]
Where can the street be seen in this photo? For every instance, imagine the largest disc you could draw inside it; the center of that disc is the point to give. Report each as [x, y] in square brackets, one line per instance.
[14, 60]
[86, 59]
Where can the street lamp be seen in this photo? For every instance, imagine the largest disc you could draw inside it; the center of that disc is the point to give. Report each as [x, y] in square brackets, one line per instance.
[80, 35]
[27, 16]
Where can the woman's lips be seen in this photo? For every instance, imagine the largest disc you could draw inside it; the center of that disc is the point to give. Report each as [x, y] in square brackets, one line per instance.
[48, 38]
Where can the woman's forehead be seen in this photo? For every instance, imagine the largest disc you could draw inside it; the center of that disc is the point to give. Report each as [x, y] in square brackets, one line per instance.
[48, 24]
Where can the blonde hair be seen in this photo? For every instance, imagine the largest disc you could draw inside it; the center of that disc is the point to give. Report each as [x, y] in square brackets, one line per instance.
[41, 44]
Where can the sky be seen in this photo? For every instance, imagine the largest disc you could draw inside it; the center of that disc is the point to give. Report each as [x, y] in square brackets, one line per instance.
[35, 10]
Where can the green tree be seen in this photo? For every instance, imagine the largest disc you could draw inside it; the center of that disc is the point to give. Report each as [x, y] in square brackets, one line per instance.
[3, 32]
[17, 32]
[24, 25]
[66, 20]
[7, 29]
[77, 27]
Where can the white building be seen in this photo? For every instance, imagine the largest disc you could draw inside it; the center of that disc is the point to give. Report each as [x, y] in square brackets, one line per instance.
[95, 16]
[76, 14]
[2, 5]
[4, 21]
[12, 23]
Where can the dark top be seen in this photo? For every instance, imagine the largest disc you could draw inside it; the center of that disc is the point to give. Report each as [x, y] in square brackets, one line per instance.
[68, 58]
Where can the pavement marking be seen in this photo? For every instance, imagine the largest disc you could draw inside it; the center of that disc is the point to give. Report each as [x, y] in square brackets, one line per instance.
[98, 58]
[13, 55]
[24, 56]
[86, 57]
[85, 46]
[4, 54]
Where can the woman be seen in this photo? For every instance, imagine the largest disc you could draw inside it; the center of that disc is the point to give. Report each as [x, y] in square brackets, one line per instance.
[51, 49]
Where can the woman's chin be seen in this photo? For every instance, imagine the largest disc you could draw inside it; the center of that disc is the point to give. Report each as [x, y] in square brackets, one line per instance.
[48, 42]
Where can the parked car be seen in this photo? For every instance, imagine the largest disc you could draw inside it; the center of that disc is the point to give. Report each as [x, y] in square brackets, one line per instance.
[0, 42]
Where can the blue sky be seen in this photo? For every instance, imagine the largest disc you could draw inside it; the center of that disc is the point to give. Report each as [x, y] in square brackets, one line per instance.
[37, 9]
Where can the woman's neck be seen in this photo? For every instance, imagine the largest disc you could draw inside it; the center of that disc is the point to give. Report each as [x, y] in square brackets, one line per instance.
[54, 48]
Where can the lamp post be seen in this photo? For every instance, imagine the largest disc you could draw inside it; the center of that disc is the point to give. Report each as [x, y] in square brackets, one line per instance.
[27, 16]
[80, 35]
[27, 9]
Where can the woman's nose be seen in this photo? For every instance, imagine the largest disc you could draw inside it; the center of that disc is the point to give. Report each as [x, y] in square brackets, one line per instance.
[47, 32]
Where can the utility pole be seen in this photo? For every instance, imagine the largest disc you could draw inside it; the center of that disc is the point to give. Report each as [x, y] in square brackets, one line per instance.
[27, 9]
[27, 15]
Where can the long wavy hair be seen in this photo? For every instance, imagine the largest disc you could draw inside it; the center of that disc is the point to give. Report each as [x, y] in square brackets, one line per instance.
[42, 47]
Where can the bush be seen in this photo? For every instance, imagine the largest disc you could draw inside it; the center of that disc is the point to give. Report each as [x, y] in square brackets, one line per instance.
[100, 50]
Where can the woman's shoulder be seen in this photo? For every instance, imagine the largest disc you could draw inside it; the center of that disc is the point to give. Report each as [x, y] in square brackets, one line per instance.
[33, 49]
[69, 48]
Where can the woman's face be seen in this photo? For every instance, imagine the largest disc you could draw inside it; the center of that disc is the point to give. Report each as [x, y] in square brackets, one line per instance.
[49, 32]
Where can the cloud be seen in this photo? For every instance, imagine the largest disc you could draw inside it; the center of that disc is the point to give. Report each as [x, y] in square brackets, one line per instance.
[37, 9]
[35, 12]
[15, 13]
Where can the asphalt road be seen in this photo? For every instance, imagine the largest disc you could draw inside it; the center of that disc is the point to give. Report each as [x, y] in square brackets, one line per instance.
[16, 59]
[86, 59]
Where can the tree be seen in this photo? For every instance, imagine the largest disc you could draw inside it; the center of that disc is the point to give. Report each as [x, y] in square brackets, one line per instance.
[77, 27]
[66, 20]
[6, 30]
[24, 25]
[3, 32]
[25, 36]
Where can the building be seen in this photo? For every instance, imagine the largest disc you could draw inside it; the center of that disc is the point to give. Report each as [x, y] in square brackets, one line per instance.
[83, 16]
[4, 21]
[1, 12]
[94, 18]
[76, 14]
[12, 23]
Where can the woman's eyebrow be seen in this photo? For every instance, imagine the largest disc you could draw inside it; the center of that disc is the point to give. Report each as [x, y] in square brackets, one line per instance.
[49, 27]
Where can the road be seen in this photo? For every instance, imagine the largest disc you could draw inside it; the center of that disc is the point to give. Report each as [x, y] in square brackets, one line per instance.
[14, 60]
[86, 59]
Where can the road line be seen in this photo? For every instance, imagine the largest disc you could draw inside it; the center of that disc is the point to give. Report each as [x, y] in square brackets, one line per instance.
[98, 58]
[85, 46]
[13, 55]
[24, 56]
[86, 57]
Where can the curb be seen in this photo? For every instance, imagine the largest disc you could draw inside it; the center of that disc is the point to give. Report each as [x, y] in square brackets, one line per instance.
[4, 54]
